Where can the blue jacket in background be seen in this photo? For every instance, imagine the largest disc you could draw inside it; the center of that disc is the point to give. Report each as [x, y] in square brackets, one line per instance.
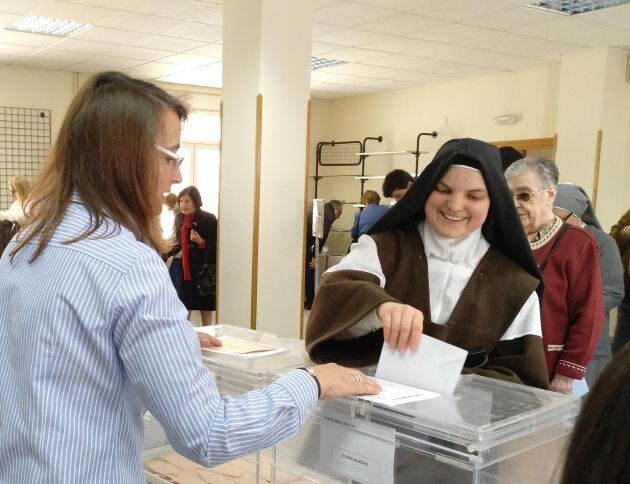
[364, 219]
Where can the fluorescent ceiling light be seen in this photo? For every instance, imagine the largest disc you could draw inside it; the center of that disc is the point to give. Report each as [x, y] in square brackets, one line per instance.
[573, 7]
[321, 62]
[47, 26]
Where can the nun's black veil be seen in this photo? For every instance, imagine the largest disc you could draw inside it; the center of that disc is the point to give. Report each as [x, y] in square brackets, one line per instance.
[502, 228]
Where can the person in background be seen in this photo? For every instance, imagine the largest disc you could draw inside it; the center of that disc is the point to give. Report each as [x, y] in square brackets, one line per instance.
[364, 219]
[567, 257]
[621, 233]
[509, 155]
[196, 234]
[19, 188]
[332, 211]
[574, 207]
[450, 260]
[599, 448]
[170, 211]
[105, 338]
[396, 184]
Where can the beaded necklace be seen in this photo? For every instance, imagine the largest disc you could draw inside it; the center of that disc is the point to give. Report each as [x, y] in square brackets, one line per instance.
[546, 233]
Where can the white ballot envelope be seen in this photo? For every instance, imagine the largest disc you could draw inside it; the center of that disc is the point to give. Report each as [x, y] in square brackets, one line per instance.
[434, 366]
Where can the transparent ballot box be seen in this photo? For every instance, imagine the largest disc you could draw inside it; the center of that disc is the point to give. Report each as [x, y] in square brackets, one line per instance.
[234, 376]
[488, 431]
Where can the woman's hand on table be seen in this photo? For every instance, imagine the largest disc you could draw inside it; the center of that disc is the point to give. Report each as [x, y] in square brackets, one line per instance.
[561, 384]
[207, 341]
[337, 382]
[402, 325]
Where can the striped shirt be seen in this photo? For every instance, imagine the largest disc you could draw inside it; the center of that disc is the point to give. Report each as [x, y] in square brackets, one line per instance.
[92, 335]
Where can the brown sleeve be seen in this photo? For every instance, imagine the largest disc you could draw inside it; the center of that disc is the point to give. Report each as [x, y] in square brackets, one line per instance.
[519, 360]
[344, 298]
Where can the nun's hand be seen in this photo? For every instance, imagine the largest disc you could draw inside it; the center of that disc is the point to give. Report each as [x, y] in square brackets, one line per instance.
[402, 325]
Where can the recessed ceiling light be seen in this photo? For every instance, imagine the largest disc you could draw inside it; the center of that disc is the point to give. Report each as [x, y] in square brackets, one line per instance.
[574, 7]
[47, 26]
[321, 62]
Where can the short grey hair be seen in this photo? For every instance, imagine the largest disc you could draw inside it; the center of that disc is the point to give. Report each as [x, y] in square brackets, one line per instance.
[336, 204]
[545, 170]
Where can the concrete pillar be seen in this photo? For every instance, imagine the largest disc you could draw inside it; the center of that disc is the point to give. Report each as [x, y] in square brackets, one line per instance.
[266, 90]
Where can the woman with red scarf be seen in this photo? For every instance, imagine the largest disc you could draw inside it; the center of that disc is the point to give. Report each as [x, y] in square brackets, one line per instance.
[196, 232]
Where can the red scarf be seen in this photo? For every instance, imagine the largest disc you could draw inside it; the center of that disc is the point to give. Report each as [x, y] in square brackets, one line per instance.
[186, 226]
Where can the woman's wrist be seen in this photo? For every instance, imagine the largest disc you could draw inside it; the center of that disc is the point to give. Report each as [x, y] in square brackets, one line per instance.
[311, 372]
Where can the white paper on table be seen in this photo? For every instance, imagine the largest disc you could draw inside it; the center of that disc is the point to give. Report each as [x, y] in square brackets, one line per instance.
[393, 394]
[242, 348]
[362, 451]
[435, 366]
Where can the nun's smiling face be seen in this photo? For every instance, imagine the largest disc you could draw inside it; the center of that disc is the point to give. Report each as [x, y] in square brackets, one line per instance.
[458, 204]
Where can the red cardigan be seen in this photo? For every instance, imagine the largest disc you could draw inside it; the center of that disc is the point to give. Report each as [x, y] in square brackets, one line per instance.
[573, 308]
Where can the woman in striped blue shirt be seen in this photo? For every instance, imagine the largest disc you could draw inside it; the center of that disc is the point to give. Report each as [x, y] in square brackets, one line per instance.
[92, 333]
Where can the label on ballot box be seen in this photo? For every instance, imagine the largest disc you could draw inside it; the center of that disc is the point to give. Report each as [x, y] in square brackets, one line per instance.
[356, 449]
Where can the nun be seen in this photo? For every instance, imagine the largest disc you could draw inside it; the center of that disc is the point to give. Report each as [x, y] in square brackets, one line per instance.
[450, 260]
[574, 207]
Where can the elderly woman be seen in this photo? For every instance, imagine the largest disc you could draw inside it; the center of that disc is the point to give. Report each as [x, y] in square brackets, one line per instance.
[574, 207]
[449, 259]
[572, 315]
[19, 186]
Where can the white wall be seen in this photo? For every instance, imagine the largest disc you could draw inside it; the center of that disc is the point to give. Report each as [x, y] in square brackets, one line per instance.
[469, 105]
[37, 89]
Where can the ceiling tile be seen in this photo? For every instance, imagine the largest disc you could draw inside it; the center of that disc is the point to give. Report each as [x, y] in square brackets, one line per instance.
[23, 38]
[398, 5]
[320, 48]
[330, 77]
[196, 31]
[40, 63]
[403, 46]
[189, 60]
[323, 29]
[396, 60]
[348, 14]
[519, 63]
[351, 38]
[113, 36]
[85, 46]
[19, 6]
[141, 23]
[471, 71]
[392, 74]
[17, 50]
[163, 42]
[353, 54]
[317, 4]
[113, 4]
[7, 18]
[509, 20]
[72, 11]
[614, 16]
[103, 63]
[436, 66]
[159, 68]
[215, 18]
[402, 24]
[540, 49]
[350, 68]
[209, 76]
[180, 9]
[390, 85]
[142, 54]
[63, 57]
[460, 10]
[209, 50]
[429, 79]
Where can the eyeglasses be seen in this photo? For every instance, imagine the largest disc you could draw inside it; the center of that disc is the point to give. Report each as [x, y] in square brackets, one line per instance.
[525, 196]
[174, 160]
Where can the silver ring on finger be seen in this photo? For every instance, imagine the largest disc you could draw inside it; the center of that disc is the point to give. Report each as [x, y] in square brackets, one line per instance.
[357, 378]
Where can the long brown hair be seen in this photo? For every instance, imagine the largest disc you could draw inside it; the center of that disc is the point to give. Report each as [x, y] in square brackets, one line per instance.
[600, 447]
[105, 154]
[21, 187]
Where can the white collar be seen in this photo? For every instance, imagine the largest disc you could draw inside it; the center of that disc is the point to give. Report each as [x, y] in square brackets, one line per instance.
[467, 250]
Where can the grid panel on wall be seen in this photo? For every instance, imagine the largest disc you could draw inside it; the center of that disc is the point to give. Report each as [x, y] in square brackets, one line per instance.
[24, 144]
